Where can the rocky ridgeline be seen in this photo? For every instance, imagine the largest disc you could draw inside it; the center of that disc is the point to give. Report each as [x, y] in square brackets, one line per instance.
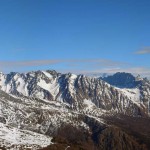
[74, 90]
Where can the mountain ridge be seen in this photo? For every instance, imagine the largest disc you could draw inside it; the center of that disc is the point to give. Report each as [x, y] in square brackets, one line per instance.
[47, 102]
[69, 88]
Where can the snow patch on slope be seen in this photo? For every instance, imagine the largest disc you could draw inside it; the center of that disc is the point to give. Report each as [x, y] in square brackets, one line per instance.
[21, 86]
[47, 74]
[52, 87]
[132, 94]
[71, 83]
[10, 136]
[88, 104]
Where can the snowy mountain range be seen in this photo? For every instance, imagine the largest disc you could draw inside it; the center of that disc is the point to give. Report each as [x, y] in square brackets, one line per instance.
[36, 107]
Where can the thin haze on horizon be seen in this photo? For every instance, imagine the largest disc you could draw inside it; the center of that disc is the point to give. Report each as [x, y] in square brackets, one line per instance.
[75, 35]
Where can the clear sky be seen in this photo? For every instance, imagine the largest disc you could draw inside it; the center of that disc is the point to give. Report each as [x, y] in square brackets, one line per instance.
[75, 35]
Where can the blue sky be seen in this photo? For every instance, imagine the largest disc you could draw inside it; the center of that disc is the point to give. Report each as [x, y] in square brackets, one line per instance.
[75, 35]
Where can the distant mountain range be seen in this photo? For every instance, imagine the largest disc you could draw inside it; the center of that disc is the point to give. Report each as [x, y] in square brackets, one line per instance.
[42, 105]
[124, 80]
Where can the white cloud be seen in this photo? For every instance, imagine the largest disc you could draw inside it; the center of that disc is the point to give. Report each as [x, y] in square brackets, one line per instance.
[145, 50]
[78, 66]
[27, 63]
[30, 63]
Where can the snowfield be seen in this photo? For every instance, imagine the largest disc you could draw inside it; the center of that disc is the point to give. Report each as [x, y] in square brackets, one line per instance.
[14, 138]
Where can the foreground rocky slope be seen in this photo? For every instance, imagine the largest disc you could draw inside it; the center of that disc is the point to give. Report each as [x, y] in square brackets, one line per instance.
[43, 105]
[100, 137]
